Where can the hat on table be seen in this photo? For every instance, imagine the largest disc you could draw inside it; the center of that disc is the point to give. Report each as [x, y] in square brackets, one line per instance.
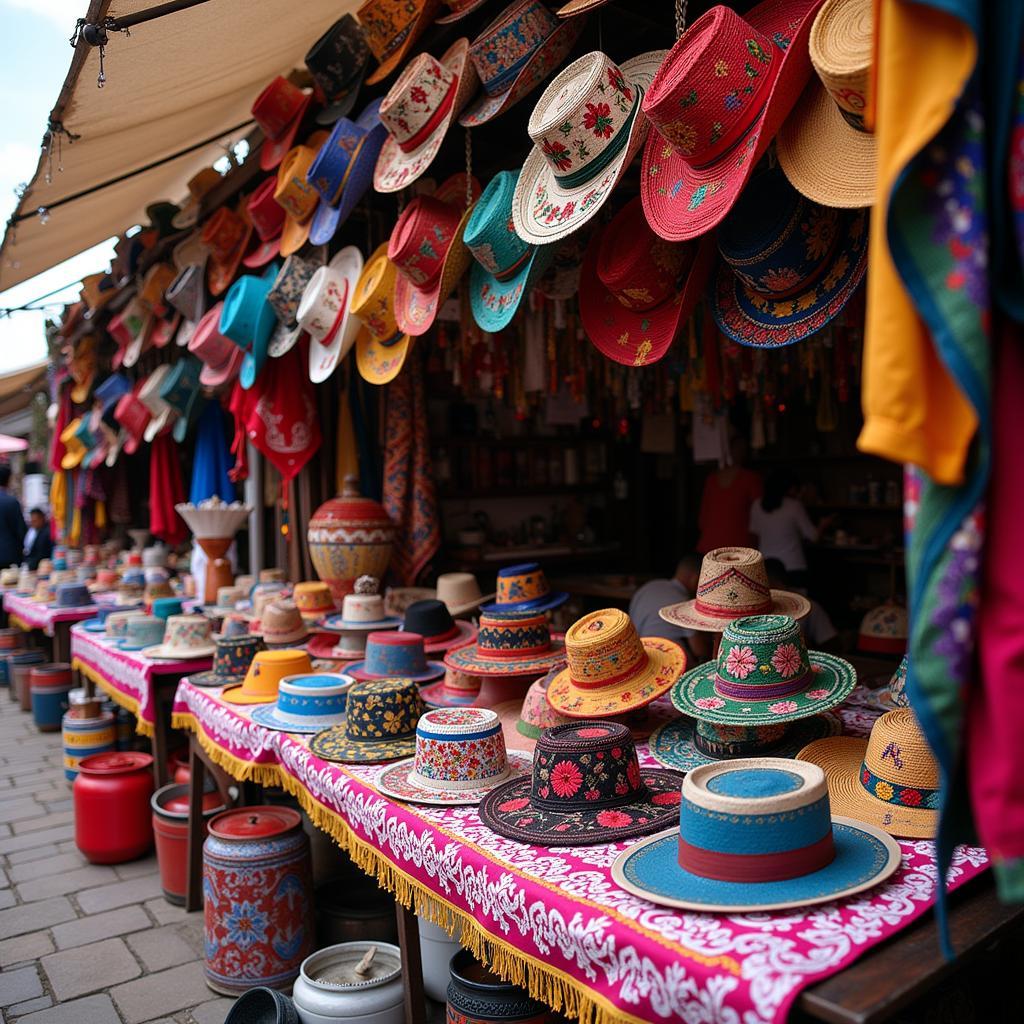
[460, 757]
[391, 28]
[232, 657]
[733, 582]
[313, 600]
[586, 788]
[226, 235]
[285, 296]
[340, 649]
[72, 595]
[265, 671]
[520, 645]
[586, 128]
[282, 625]
[380, 724]
[115, 625]
[247, 319]
[338, 61]
[296, 195]
[325, 312]
[381, 347]
[460, 591]
[524, 588]
[396, 656]
[714, 106]
[279, 111]
[361, 611]
[440, 632]
[455, 690]
[760, 818]
[267, 217]
[524, 721]
[221, 357]
[884, 630]
[142, 631]
[764, 674]
[186, 637]
[397, 599]
[201, 184]
[611, 669]
[824, 147]
[306, 703]
[165, 607]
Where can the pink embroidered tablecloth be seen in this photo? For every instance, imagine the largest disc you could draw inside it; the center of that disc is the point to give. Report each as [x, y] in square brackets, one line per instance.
[552, 919]
[43, 616]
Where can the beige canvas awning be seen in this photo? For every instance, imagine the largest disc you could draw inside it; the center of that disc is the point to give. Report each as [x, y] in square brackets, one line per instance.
[171, 84]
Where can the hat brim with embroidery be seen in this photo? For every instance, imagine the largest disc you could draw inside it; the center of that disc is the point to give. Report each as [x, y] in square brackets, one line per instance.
[324, 355]
[476, 662]
[494, 303]
[411, 34]
[402, 782]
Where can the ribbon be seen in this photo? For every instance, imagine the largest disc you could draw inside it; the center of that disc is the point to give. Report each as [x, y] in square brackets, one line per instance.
[757, 867]
[588, 172]
[760, 691]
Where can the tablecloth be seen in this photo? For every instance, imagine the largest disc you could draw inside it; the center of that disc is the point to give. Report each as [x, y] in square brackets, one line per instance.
[552, 920]
[29, 614]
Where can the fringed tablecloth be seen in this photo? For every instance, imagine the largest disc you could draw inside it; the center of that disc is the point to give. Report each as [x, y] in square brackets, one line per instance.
[27, 614]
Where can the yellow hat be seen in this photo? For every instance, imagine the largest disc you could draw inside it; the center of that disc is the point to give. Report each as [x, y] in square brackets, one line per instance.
[266, 671]
[381, 347]
[75, 450]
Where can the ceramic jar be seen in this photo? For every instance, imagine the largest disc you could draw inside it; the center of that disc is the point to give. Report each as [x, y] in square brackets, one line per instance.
[49, 686]
[329, 990]
[111, 798]
[258, 912]
[85, 736]
[437, 948]
[170, 830]
[478, 996]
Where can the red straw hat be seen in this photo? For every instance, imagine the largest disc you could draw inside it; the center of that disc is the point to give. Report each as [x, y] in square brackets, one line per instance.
[637, 289]
[221, 357]
[267, 216]
[279, 110]
[715, 105]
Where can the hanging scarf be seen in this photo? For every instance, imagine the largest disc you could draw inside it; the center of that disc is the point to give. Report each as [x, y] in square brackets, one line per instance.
[212, 461]
[165, 491]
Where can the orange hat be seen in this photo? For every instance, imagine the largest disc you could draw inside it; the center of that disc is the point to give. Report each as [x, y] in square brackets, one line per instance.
[266, 670]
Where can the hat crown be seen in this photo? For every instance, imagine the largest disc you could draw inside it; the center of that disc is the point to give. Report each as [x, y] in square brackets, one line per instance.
[490, 235]
[430, 619]
[382, 709]
[232, 655]
[603, 648]
[337, 56]
[286, 293]
[417, 101]
[208, 344]
[395, 654]
[242, 308]
[425, 230]
[374, 297]
[733, 582]
[514, 636]
[186, 632]
[899, 766]
[73, 595]
[505, 46]
[281, 618]
[223, 233]
[266, 214]
[312, 699]
[277, 106]
[362, 607]
[761, 657]
[144, 630]
[293, 191]
[312, 596]
[460, 748]
[387, 23]
[722, 741]
[536, 712]
[517, 583]
[458, 588]
[841, 48]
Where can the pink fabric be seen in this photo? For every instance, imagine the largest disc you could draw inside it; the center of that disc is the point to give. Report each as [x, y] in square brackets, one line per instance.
[43, 616]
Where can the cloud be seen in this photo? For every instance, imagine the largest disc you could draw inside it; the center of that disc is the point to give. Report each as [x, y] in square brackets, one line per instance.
[61, 12]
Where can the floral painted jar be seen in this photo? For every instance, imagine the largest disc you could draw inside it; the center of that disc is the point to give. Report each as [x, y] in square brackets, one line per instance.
[257, 891]
[477, 995]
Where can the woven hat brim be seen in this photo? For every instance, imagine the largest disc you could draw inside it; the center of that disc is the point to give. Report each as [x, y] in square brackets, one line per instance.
[575, 7]
[466, 634]
[682, 202]
[449, 19]
[236, 695]
[434, 671]
[865, 856]
[666, 662]
[832, 677]
[159, 652]
[377, 363]
[469, 606]
[334, 745]
[272, 151]
[266, 715]
[824, 156]
[555, 599]
[494, 308]
[685, 614]
[211, 679]
[397, 781]
[472, 660]
[336, 624]
[437, 695]
[538, 194]
[580, 828]
[419, 25]
[840, 757]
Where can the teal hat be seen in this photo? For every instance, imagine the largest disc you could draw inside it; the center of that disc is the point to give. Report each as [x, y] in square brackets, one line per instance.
[505, 267]
[248, 320]
[180, 390]
[164, 607]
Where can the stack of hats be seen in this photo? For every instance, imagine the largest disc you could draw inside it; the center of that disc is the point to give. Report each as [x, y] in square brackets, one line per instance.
[362, 613]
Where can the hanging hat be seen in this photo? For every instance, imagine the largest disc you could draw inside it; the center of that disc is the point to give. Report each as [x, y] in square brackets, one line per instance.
[519, 645]
[823, 146]
[381, 347]
[247, 319]
[267, 217]
[109, 391]
[637, 290]
[296, 195]
[232, 657]
[325, 312]
[460, 592]
[266, 670]
[524, 588]
[733, 582]
[279, 111]
[455, 690]
[514, 54]
[460, 758]
[586, 128]
[396, 655]
[159, 410]
[612, 670]
[380, 724]
[82, 366]
[200, 185]
[285, 297]
[155, 283]
[186, 292]
[226, 236]
[715, 105]
[764, 674]
[306, 703]
[126, 326]
[756, 834]
[180, 390]
[524, 721]
[221, 357]
[459, 9]
[586, 787]
[281, 625]
[505, 267]
[418, 111]
[160, 216]
[133, 415]
[391, 27]
[884, 630]
[97, 291]
[313, 599]
[432, 621]
[338, 61]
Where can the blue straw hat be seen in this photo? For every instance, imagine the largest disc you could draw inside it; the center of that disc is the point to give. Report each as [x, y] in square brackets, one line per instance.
[523, 588]
[248, 320]
[306, 703]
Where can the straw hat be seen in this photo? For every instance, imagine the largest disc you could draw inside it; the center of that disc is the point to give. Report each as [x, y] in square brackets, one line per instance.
[519, 645]
[381, 347]
[185, 637]
[296, 194]
[306, 703]
[391, 28]
[264, 674]
[460, 592]
[824, 146]
[282, 625]
[279, 110]
[325, 312]
[455, 690]
[524, 588]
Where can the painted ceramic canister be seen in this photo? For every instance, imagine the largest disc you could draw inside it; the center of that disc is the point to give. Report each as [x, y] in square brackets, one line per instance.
[49, 686]
[257, 892]
[85, 736]
[349, 536]
[478, 996]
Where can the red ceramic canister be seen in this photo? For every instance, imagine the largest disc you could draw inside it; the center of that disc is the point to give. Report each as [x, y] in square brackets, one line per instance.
[170, 829]
[112, 814]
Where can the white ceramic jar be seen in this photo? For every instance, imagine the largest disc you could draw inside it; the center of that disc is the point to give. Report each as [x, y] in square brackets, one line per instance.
[437, 948]
[328, 990]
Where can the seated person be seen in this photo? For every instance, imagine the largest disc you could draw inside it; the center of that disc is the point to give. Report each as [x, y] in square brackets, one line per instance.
[656, 594]
[819, 632]
[38, 544]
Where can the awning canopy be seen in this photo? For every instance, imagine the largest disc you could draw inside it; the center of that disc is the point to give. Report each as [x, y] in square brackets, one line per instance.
[173, 83]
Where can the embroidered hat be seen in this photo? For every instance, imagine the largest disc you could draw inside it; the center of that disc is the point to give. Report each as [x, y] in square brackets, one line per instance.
[226, 236]
[460, 591]
[459, 9]
[756, 834]
[199, 186]
[232, 656]
[391, 28]
[264, 674]
[637, 290]
[612, 670]
[715, 105]
[884, 630]
[142, 631]
[764, 674]
[306, 703]
[281, 625]
[432, 620]
[455, 690]
[460, 757]
[509, 645]
[524, 588]
[187, 293]
[267, 217]
[247, 319]
[514, 54]
[313, 599]
[337, 61]
[586, 128]
[296, 195]
[524, 721]
[159, 410]
[429, 253]
[279, 111]
[733, 582]
[505, 268]
[898, 685]
[396, 656]
[286, 294]
[586, 787]
[381, 347]
[418, 111]
[824, 146]
[221, 357]
[325, 312]
[380, 724]
[186, 637]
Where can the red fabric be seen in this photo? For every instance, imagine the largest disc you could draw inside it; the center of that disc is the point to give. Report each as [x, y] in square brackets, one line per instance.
[166, 490]
[239, 405]
[725, 511]
[57, 448]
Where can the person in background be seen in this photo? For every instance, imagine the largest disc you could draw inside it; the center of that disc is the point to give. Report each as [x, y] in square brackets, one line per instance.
[724, 518]
[12, 523]
[38, 543]
[819, 632]
[656, 594]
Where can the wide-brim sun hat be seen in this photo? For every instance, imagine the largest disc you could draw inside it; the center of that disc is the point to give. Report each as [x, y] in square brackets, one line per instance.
[307, 691]
[600, 103]
[521, 645]
[328, 647]
[434, 670]
[326, 352]
[337, 623]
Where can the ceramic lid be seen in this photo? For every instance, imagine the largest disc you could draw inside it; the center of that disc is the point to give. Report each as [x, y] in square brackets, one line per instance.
[335, 966]
[255, 823]
[115, 763]
[178, 804]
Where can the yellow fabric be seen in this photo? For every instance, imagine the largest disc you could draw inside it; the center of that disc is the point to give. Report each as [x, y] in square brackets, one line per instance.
[58, 497]
[913, 411]
[347, 463]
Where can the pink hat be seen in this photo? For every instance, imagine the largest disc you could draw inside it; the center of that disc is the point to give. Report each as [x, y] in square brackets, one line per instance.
[221, 357]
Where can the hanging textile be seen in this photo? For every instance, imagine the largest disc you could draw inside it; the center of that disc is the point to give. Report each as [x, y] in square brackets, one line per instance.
[165, 491]
[212, 460]
[346, 462]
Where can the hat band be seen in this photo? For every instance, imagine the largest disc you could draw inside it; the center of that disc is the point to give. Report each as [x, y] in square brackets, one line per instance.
[916, 797]
[396, 41]
[597, 684]
[440, 638]
[757, 867]
[591, 170]
[515, 652]
[733, 611]
[509, 272]
[393, 340]
[427, 129]
[336, 198]
[760, 691]
[371, 740]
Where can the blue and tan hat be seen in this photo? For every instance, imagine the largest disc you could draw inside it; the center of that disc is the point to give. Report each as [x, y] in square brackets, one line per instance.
[307, 703]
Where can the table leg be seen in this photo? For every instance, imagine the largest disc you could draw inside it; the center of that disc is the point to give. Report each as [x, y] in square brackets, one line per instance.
[62, 641]
[196, 785]
[160, 725]
[412, 965]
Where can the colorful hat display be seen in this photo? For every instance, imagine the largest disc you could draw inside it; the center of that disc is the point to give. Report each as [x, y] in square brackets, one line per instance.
[391, 28]
[186, 637]
[756, 834]
[221, 357]
[142, 631]
[788, 265]
[380, 724]
[460, 591]
[524, 588]
[884, 630]
[282, 625]
[247, 319]
[313, 600]
[232, 657]
[267, 217]
[519, 645]
[586, 787]
[306, 703]
[284, 298]
[296, 195]
[432, 620]
[279, 111]
[733, 583]
[611, 669]
[637, 290]
[381, 347]
[337, 61]
[265, 672]
[764, 674]
[325, 312]
[586, 128]
[455, 690]
[226, 236]
[460, 757]
[824, 146]
[514, 54]
[396, 656]
[180, 390]
[715, 105]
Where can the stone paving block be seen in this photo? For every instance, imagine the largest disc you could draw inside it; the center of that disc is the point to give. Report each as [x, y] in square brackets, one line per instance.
[164, 993]
[6, 899]
[29, 1006]
[138, 868]
[96, 1009]
[25, 947]
[40, 866]
[49, 793]
[119, 894]
[100, 926]
[37, 853]
[13, 810]
[76, 972]
[30, 917]
[168, 913]
[19, 985]
[29, 840]
[44, 821]
[169, 946]
[212, 1012]
[65, 881]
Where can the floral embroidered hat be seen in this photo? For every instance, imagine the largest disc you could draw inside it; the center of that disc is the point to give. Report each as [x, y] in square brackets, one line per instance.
[509, 645]
[586, 787]
[789, 266]
[391, 28]
[381, 347]
[764, 674]
[586, 128]
[715, 105]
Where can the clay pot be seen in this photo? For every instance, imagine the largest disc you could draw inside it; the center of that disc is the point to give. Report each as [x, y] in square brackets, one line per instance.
[112, 816]
[477, 995]
[170, 830]
[329, 988]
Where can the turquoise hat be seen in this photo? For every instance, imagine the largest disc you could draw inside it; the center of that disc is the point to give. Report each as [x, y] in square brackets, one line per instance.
[180, 390]
[164, 607]
[505, 267]
[248, 320]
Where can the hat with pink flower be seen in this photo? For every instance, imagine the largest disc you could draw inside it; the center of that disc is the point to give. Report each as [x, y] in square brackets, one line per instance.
[764, 674]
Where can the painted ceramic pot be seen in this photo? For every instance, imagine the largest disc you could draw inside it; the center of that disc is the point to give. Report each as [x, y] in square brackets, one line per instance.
[349, 536]
[170, 829]
[85, 736]
[477, 995]
[112, 816]
[257, 891]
